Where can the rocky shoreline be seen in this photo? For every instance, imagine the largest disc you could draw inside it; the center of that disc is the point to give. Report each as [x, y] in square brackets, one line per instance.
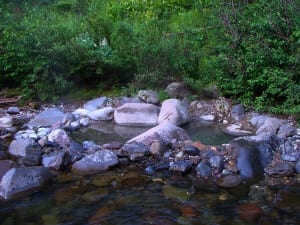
[36, 145]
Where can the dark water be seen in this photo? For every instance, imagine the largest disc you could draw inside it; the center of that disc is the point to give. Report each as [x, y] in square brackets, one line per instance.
[127, 196]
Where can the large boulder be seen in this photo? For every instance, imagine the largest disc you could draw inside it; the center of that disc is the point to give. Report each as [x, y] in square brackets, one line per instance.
[165, 132]
[174, 111]
[17, 181]
[104, 114]
[148, 96]
[99, 161]
[137, 114]
[95, 104]
[47, 118]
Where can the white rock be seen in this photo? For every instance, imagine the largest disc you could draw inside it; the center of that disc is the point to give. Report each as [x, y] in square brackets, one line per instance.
[6, 122]
[104, 114]
[60, 137]
[84, 121]
[81, 112]
[209, 118]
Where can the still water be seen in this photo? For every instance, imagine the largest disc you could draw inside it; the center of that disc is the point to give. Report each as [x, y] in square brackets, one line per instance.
[127, 196]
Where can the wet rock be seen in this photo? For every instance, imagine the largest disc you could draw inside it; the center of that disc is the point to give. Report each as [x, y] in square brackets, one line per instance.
[203, 170]
[178, 90]
[60, 137]
[95, 196]
[191, 150]
[5, 165]
[182, 166]
[229, 181]
[17, 181]
[135, 150]
[13, 110]
[148, 96]
[174, 111]
[208, 118]
[54, 160]
[162, 166]
[103, 114]
[136, 114]
[249, 212]
[279, 169]
[95, 104]
[181, 194]
[216, 161]
[99, 161]
[47, 118]
[165, 132]
[6, 122]
[238, 112]
[157, 148]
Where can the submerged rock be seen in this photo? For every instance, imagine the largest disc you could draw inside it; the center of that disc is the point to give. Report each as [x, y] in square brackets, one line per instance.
[280, 169]
[16, 181]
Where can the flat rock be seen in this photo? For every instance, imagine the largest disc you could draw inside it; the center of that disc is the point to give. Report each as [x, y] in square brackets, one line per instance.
[101, 160]
[47, 118]
[103, 114]
[236, 130]
[18, 181]
[165, 132]
[136, 114]
[95, 104]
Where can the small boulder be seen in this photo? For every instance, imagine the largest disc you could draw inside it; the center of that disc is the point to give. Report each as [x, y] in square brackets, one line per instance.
[103, 114]
[13, 110]
[135, 150]
[178, 90]
[182, 166]
[203, 170]
[54, 160]
[136, 114]
[148, 96]
[16, 181]
[60, 137]
[47, 118]
[19, 147]
[174, 111]
[101, 160]
[95, 104]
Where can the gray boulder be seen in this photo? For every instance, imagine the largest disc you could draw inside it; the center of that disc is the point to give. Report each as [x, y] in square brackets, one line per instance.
[178, 90]
[270, 125]
[103, 114]
[148, 96]
[174, 111]
[238, 112]
[99, 161]
[18, 181]
[60, 137]
[13, 110]
[95, 104]
[54, 160]
[19, 147]
[181, 166]
[47, 118]
[136, 114]
[165, 132]
[203, 170]
[135, 150]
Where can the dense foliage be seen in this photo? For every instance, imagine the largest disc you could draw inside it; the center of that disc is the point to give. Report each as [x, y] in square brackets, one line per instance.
[248, 49]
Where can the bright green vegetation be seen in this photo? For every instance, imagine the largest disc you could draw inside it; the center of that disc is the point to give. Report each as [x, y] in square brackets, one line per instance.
[248, 49]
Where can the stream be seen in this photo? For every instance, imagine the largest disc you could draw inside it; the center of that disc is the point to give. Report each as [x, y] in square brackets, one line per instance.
[127, 196]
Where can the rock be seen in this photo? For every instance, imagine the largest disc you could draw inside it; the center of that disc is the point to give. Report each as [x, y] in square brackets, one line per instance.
[6, 122]
[286, 131]
[236, 130]
[43, 131]
[249, 212]
[19, 147]
[135, 150]
[179, 154]
[165, 133]
[99, 161]
[68, 118]
[13, 110]
[148, 96]
[177, 90]
[191, 150]
[288, 153]
[297, 167]
[26, 134]
[208, 118]
[182, 166]
[103, 114]
[81, 112]
[173, 111]
[271, 125]
[252, 157]
[203, 170]
[74, 125]
[84, 121]
[60, 137]
[54, 160]
[5, 165]
[238, 112]
[279, 169]
[47, 118]
[229, 181]
[157, 148]
[33, 155]
[149, 170]
[95, 104]
[112, 145]
[222, 107]
[216, 161]
[258, 120]
[16, 181]
[90, 146]
[136, 114]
